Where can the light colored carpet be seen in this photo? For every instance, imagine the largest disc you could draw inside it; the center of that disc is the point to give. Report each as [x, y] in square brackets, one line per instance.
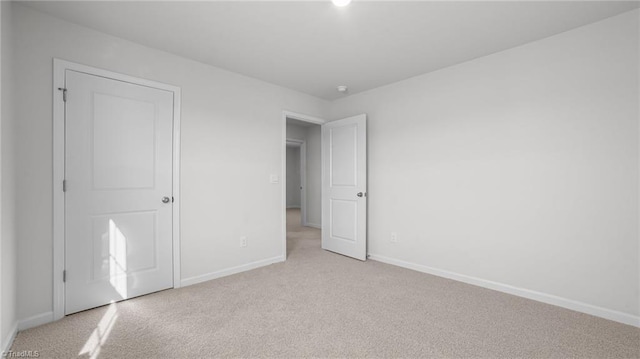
[320, 304]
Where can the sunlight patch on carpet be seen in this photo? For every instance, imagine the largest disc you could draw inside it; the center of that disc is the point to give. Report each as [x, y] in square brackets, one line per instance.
[101, 333]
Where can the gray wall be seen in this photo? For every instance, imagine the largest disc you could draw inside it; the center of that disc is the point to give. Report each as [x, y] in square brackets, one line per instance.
[293, 177]
[296, 132]
[314, 177]
[517, 170]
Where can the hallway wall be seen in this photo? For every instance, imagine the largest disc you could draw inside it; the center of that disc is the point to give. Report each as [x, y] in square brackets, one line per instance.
[311, 135]
[293, 177]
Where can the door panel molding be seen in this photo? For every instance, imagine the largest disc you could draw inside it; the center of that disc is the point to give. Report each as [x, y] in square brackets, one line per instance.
[59, 69]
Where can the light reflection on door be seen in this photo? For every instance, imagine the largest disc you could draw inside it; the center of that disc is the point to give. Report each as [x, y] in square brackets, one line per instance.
[117, 259]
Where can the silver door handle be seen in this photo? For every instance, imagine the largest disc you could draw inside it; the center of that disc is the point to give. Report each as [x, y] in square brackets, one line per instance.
[360, 194]
[166, 199]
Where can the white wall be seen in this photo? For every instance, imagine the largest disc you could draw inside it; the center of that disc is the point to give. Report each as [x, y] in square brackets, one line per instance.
[293, 177]
[8, 237]
[231, 143]
[519, 168]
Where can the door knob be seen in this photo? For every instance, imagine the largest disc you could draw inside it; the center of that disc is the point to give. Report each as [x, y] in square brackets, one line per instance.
[359, 194]
[166, 199]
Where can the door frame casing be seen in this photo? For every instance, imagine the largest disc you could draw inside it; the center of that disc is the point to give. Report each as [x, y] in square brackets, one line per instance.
[283, 174]
[59, 69]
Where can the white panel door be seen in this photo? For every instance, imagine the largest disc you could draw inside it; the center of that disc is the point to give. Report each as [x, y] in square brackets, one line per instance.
[118, 199]
[344, 192]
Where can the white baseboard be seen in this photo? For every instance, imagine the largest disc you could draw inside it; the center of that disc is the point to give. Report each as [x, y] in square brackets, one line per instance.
[520, 292]
[8, 341]
[230, 271]
[47, 317]
[313, 225]
[35, 320]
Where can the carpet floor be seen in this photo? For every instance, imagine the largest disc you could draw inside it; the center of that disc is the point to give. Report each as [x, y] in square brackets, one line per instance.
[320, 304]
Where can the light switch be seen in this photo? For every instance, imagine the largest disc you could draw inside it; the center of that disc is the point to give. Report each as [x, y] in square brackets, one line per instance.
[274, 179]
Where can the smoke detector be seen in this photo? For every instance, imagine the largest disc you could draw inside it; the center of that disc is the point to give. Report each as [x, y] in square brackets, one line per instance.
[342, 89]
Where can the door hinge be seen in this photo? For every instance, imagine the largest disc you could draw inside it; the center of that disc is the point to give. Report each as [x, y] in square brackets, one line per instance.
[64, 185]
[172, 199]
[64, 276]
[64, 93]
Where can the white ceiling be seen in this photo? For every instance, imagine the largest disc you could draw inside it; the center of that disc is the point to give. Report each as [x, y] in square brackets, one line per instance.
[313, 46]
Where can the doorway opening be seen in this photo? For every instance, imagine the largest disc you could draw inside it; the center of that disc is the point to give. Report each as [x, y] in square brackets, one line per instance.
[334, 186]
[302, 183]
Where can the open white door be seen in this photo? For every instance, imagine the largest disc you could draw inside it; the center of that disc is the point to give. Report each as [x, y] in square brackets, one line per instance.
[344, 186]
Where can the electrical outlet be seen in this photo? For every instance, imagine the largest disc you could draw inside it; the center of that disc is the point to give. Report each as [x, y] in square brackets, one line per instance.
[394, 237]
[243, 241]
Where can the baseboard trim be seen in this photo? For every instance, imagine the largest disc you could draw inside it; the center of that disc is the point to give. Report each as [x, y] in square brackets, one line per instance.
[36, 320]
[520, 292]
[8, 341]
[230, 271]
[313, 225]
